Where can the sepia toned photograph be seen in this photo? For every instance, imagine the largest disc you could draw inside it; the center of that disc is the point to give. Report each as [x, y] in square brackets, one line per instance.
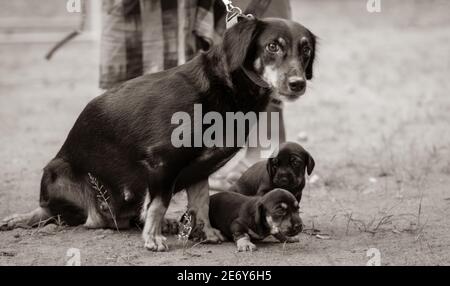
[224, 133]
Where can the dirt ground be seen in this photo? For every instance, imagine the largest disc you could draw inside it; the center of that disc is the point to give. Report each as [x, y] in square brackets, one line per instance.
[376, 118]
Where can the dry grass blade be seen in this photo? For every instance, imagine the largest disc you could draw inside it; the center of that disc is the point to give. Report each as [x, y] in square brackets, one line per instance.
[185, 229]
[102, 194]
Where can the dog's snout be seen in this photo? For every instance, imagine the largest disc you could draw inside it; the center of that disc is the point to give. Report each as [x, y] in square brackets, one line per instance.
[295, 228]
[284, 178]
[296, 83]
[297, 223]
[298, 226]
[284, 181]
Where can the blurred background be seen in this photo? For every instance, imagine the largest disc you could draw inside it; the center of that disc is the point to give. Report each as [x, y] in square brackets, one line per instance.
[376, 118]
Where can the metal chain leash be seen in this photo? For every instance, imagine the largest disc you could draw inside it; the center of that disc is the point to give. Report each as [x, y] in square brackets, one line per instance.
[233, 13]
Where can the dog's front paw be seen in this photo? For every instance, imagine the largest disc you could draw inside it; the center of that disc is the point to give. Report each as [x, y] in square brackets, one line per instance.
[244, 244]
[201, 230]
[156, 243]
[213, 235]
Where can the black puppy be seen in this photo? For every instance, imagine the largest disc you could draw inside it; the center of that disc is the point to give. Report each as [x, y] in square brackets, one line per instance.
[241, 218]
[121, 144]
[286, 170]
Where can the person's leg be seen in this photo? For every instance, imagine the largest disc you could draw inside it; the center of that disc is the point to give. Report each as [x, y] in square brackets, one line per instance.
[276, 135]
[232, 171]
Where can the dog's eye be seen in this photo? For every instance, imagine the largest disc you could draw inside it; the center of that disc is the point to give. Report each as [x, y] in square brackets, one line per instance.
[306, 51]
[275, 162]
[295, 163]
[273, 47]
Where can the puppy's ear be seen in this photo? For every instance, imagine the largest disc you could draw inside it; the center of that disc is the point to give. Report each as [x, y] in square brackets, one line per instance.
[237, 41]
[259, 213]
[311, 164]
[309, 68]
[269, 168]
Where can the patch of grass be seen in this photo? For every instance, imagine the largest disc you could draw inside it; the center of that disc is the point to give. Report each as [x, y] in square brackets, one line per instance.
[102, 196]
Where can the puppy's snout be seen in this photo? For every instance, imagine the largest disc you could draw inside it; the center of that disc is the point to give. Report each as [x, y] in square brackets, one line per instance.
[284, 181]
[295, 229]
[298, 227]
[284, 178]
[297, 224]
[296, 83]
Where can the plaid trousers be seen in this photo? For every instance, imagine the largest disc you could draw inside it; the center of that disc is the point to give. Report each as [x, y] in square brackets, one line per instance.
[146, 36]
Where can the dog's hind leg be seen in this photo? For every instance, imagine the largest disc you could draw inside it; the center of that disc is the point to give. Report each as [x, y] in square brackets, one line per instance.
[198, 201]
[36, 217]
[62, 196]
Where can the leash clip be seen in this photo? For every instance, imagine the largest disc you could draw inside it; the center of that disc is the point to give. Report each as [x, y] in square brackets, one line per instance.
[229, 6]
[233, 17]
[233, 14]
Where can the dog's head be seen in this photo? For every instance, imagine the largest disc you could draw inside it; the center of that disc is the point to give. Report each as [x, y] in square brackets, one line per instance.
[280, 211]
[274, 53]
[287, 168]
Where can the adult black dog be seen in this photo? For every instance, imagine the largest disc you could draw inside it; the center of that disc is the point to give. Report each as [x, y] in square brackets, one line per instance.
[285, 170]
[121, 144]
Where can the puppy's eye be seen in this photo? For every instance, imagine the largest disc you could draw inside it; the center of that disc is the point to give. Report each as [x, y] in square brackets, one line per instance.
[273, 47]
[275, 162]
[280, 212]
[295, 163]
[306, 51]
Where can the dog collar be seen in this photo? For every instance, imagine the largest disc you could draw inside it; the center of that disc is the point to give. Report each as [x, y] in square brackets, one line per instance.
[256, 78]
[276, 102]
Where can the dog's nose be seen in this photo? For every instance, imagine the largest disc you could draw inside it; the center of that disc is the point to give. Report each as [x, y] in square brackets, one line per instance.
[298, 227]
[284, 181]
[296, 83]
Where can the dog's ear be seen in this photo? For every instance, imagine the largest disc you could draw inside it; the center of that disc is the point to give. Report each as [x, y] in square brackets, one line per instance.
[311, 164]
[309, 68]
[237, 41]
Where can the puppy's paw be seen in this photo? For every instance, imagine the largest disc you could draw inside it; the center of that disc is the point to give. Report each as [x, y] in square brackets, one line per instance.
[156, 243]
[244, 244]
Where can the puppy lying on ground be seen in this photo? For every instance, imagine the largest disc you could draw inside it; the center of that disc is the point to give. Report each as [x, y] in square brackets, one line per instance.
[286, 170]
[241, 218]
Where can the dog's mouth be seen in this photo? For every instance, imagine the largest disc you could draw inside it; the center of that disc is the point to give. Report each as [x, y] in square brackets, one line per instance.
[293, 232]
[289, 96]
[283, 183]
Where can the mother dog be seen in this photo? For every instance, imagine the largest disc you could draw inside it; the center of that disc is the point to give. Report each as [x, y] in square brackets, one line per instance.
[120, 144]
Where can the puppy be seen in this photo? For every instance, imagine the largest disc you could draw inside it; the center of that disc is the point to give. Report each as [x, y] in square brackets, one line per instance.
[286, 170]
[242, 218]
[121, 144]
